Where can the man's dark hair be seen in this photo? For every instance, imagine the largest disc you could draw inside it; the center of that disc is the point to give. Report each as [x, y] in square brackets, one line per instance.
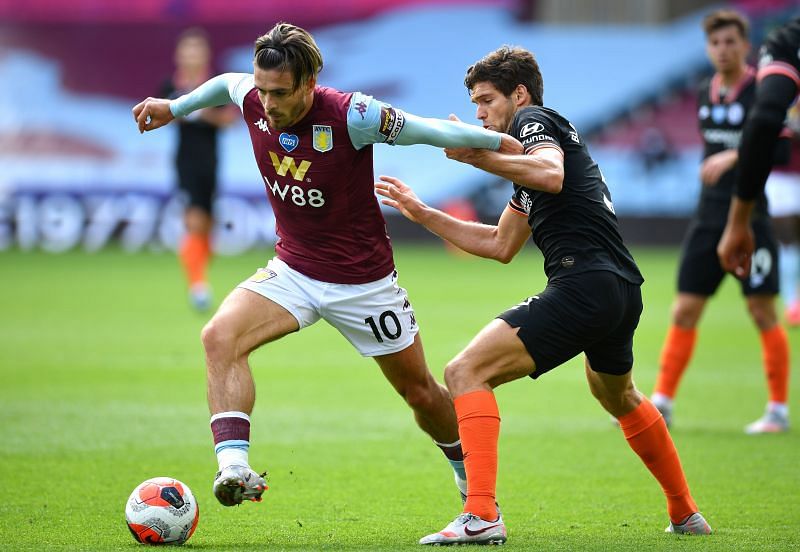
[718, 19]
[505, 68]
[289, 48]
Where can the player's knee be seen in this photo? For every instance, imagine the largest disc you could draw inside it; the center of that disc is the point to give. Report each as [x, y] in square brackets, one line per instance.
[216, 339]
[458, 375]
[615, 399]
[421, 396]
[685, 314]
[763, 313]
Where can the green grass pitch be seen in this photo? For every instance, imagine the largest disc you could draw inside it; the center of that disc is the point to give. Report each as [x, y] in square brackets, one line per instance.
[103, 386]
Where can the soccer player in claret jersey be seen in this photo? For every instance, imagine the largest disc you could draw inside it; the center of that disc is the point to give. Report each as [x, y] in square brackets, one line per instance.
[591, 304]
[723, 104]
[313, 147]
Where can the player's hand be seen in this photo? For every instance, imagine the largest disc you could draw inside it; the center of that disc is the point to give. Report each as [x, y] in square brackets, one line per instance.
[510, 145]
[736, 248]
[400, 196]
[714, 166]
[471, 156]
[152, 113]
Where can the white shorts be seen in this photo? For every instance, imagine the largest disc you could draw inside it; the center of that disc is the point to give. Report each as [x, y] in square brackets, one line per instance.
[376, 317]
[783, 194]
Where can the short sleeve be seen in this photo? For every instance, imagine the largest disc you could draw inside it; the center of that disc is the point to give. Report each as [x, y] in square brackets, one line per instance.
[370, 121]
[521, 201]
[534, 129]
[239, 84]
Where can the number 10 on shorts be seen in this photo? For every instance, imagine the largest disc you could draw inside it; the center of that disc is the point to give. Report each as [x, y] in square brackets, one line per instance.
[388, 325]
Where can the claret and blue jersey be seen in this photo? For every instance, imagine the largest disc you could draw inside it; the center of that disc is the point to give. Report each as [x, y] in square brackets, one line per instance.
[320, 185]
[318, 173]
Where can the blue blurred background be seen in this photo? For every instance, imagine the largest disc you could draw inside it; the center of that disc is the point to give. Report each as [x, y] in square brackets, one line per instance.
[77, 174]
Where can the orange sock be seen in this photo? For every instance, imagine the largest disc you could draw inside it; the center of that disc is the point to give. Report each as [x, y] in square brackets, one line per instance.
[675, 356]
[647, 435]
[195, 253]
[479, 428]
[775, 351]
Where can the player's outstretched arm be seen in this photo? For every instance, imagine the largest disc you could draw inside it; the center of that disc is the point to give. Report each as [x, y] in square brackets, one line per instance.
[223, 89]
[541, 169]
[501, 242]
[371, 122]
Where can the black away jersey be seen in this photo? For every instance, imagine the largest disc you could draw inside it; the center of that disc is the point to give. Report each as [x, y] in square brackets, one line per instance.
[197, 139]
[782, 48]
[721, 115]
[575, 229]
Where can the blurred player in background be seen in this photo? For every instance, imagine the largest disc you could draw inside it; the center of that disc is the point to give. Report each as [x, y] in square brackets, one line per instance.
[313, 147]
[591, 304]
[778, 87]
[196, 161]
[723, 103]
[783, 192]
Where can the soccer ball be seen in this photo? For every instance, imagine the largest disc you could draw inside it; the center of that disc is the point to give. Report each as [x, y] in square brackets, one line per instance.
[162, 510]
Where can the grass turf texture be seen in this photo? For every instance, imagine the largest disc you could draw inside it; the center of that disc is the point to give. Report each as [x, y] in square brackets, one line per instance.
[103, 386]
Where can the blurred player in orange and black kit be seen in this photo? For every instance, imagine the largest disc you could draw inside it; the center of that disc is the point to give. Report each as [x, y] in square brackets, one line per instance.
[724, 102]
[196, 161]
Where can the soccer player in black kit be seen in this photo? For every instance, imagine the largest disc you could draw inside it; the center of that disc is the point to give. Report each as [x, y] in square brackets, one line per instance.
[778, 87]
[196, 161]
[591, 304]
[724, 101]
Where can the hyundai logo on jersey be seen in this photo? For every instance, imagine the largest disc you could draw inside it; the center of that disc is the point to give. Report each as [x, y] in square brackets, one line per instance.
[288, 141]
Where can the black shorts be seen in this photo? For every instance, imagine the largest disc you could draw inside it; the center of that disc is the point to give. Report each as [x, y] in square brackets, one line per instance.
[701, 274]
[592, 312]
[199, 183]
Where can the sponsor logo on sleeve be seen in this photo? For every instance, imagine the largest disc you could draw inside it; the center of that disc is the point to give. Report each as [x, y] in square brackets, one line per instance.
[361, 108]
[573, 134]
[391, 123]
[323, 138]
[526, 201]
[536, 138]
[530, 128]
[288, 141]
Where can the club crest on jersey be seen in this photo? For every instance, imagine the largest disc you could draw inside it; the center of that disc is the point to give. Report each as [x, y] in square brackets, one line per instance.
[288, 141]
[262, 275]
[323, 138]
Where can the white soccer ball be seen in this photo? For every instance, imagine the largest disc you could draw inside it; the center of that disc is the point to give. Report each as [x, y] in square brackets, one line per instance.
[162, 510]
